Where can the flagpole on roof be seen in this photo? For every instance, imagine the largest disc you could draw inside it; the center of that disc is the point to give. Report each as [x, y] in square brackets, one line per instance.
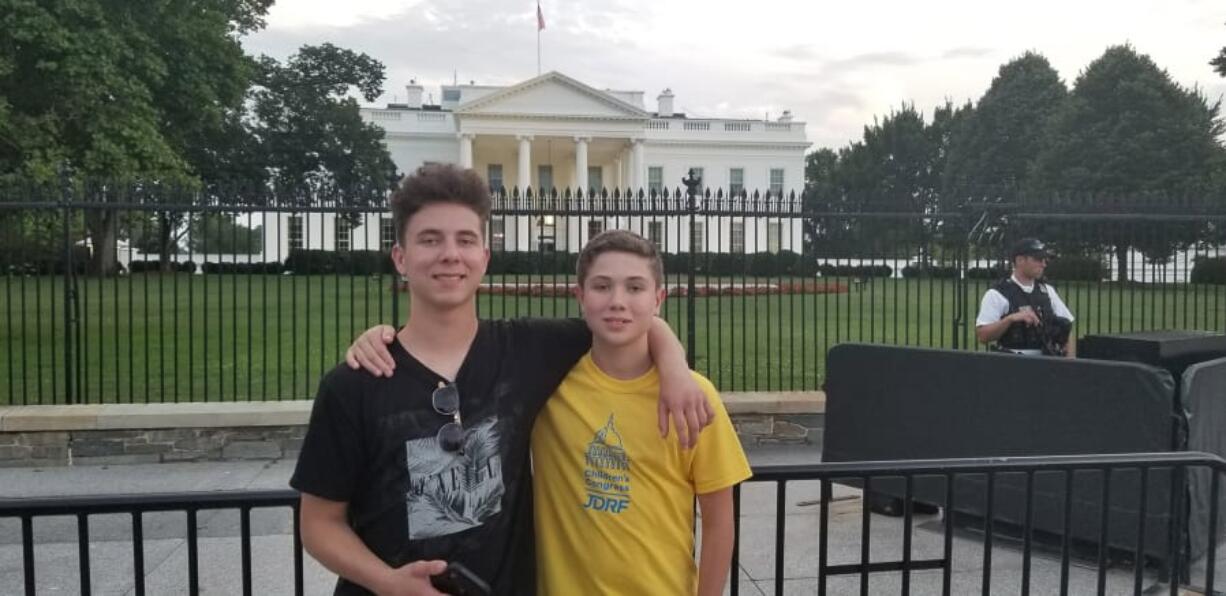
[540, 24]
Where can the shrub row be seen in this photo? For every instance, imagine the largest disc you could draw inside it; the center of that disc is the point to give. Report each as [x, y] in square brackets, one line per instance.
[272, 268]
[829, 270]
[155, 266]
[1076, 268]
[783, 263]
[992, 273]
[353, 262]
[1209, 271]
[45, 263]
[919, 270]
[1067, 268]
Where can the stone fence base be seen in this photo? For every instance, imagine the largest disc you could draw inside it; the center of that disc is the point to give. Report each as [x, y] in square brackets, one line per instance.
[40, 436]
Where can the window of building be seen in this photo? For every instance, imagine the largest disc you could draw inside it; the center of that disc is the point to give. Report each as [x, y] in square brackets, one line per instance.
[295, 232]
[498, 234]
[736, 181]
[451, 95]
[544, 179]
[737, 236]
[549, 233]
[655, 233]
[493, 174]
[595, 178]
[655, 179]
[344, 232]
[774, 230]
[698, 230]
[776, 182]
[387, 234]
[594, 228]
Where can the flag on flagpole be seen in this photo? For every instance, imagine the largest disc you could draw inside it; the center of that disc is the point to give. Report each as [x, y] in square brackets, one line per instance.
[540, 17]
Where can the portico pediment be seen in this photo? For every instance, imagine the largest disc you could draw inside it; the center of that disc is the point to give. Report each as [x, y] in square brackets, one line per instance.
[552, 95]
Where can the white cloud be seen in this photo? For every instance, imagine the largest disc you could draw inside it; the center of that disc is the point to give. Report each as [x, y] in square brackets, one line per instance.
[305, 14]
[835, 65]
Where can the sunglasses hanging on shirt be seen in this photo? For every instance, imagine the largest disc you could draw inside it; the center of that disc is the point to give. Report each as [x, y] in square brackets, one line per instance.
[446, 401]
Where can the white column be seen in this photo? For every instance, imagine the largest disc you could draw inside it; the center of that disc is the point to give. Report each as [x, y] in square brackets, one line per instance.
[523, 225]
[525, 161]
[637, 179]
[466, 149]
[625, 162]
[581, 163]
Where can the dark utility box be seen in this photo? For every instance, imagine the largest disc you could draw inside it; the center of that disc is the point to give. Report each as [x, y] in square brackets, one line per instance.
[1157, 348]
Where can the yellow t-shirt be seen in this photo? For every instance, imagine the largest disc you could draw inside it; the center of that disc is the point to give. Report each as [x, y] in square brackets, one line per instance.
[614, 501]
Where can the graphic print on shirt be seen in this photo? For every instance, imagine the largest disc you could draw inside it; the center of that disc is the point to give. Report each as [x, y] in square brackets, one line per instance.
[451, 492]
[606, 471]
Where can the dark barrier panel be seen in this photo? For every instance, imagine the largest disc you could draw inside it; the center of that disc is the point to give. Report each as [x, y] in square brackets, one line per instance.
[887, 402]
[1204, 396]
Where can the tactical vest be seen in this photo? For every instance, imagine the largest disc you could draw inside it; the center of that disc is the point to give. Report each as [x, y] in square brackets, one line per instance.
[1020, 336]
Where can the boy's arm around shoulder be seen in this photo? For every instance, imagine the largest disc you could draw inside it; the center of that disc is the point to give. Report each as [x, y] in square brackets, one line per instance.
[718, 461]
[681, 399]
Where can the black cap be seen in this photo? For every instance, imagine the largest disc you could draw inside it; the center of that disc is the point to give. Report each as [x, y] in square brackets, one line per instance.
[1032, 247]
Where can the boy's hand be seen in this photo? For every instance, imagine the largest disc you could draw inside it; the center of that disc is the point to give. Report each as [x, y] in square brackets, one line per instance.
[411, 580]
[684, 400]
[369, 351]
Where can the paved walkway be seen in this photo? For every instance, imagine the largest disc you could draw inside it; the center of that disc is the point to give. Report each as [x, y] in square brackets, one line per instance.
[166, 550]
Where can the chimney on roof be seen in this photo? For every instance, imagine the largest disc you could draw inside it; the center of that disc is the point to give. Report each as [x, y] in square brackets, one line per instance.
[665, 107]
[786, 117]
[414, 97]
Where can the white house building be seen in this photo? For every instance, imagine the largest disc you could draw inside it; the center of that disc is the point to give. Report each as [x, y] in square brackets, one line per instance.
[553, 132]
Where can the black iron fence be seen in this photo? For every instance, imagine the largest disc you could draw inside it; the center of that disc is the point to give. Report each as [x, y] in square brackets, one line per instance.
[134, 294]
[971, 548]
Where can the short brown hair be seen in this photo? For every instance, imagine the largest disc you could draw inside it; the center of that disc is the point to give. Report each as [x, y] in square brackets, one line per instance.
[620, 241]
[439, 183]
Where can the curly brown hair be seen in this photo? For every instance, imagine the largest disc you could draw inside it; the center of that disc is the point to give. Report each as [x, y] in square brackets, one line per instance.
[439, 183]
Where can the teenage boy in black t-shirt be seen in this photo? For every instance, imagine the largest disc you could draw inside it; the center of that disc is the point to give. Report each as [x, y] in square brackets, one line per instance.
[428, 465]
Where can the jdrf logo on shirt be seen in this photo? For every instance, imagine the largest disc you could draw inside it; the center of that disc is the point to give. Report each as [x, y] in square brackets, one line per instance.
[607, 471]
[603, 503]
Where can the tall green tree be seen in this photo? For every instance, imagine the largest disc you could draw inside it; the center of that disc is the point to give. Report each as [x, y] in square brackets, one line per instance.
[311, 134]
[821, 185]
[991, 154]
[223, 233]
[159, 100]
[1129, 132]
[896, 167]
[116, 91]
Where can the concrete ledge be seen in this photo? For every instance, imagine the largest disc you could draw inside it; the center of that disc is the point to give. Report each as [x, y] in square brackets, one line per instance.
[147, 416]
[105, 434]
[775, 402]
[48, 418]
[294, 412]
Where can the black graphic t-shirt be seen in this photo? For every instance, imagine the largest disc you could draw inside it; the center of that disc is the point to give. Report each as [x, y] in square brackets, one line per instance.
[372, 443]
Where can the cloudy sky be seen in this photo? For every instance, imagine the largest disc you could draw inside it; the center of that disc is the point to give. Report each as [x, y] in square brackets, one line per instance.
[834, 64]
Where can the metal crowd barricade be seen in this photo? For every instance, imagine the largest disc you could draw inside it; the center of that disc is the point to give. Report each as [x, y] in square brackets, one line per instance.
[1174, 569]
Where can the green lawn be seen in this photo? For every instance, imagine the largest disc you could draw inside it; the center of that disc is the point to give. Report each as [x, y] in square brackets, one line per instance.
[152, 337]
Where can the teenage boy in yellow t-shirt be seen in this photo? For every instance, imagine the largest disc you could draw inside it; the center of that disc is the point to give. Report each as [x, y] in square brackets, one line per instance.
[613, 500]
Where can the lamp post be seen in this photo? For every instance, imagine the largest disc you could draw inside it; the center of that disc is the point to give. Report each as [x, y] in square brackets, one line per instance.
[691, 183]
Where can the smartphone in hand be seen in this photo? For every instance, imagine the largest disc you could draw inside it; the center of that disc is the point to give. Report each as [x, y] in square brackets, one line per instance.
[459, 580]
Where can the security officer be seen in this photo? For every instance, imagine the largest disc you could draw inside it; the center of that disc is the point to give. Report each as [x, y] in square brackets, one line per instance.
[1023, 315]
